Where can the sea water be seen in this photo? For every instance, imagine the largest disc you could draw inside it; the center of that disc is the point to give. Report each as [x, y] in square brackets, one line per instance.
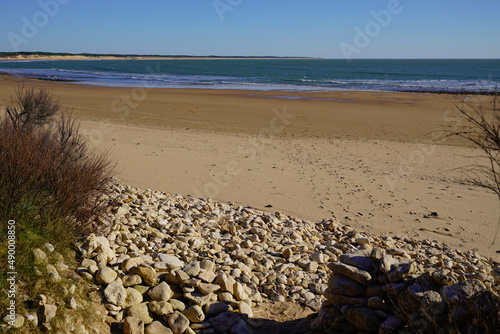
[417, 75]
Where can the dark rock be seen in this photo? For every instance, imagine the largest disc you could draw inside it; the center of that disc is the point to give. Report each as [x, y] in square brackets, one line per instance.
[224, 321]
[378, 303]
[363, 318]
[484, 308]
[462, 291]
[346, 300]
[358, 259]
[391, 325]
[358, 275]
[339, 284]
[375, 290]
[432, 304]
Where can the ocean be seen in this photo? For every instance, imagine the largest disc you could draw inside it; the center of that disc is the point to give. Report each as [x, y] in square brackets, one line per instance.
[422, 75]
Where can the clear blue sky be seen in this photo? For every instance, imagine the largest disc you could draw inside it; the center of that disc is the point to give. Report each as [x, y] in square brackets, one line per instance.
[419, 29]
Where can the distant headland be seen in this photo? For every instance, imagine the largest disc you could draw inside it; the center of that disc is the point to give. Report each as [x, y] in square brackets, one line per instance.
[91, 56]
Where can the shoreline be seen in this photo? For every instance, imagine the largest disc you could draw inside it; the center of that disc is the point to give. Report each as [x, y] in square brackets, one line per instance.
[321, 114]
[298, 89]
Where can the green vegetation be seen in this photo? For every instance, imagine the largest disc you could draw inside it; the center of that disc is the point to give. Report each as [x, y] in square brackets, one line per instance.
[51, 185]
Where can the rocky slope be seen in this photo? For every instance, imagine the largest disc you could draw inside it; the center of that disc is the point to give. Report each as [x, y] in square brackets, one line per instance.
[171, 264]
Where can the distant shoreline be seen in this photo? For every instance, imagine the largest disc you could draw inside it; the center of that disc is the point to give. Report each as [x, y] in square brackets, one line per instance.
[8, 56]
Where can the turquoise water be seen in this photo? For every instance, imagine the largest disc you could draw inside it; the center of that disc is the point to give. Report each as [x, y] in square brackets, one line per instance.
[265, 74]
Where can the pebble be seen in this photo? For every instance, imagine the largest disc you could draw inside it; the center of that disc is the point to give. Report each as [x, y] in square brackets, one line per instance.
[205, 262]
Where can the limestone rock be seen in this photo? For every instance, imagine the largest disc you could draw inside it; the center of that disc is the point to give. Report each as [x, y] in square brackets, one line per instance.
[16, 320]
[132, 297]
[131, 263]
[208, 288]
[72, 304]
[171, 261]
[177, 305]
[47, 312]
[53, 274]
[141, 312]
[93, 244]
[147, 273]
[49, 247]
[161, 292]
[161, 307]
[40, 256]
[115, 293]
[390, 325]
[105, 275]
[157, 327]
[225, 282]
[131, 280]
[178, 322]
[396, 270]
[239, 291]
[198, 298]
[245, 308]
[213, 308]
[133, 325]
[194, 313]
[192, 269]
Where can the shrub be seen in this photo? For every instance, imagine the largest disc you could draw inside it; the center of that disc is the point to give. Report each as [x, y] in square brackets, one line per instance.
[482, 129]
[32, 106]
[51, 185]
[48, 173]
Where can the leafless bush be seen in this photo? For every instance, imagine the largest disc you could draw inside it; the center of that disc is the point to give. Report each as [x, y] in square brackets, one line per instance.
[32, 106]
[482, 129]
[49, 173]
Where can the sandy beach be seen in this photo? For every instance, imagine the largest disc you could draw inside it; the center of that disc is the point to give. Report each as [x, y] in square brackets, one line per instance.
[370, 159]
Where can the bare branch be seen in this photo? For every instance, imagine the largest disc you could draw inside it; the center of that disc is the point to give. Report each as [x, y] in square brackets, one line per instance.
[482, 129]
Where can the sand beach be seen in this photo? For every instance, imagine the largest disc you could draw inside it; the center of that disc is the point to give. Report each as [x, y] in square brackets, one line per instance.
[374, 160]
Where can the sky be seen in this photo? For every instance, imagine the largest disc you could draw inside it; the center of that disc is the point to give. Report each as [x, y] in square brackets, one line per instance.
[319, 28]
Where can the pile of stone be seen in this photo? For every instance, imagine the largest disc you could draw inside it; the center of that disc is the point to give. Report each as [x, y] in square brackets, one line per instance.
[182, 264]
[197, 265]
[394, 291]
